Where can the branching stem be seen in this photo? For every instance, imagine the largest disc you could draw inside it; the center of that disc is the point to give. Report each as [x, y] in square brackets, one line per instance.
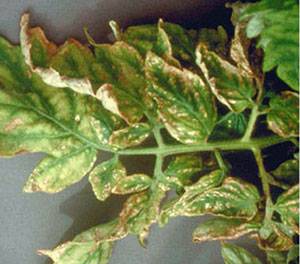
[166, 150]
[251, 124]
[265, 182]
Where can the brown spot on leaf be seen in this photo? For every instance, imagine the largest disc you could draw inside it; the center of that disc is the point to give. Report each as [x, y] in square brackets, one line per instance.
[13, 124]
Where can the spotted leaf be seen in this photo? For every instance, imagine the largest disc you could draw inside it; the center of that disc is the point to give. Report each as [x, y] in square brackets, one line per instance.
[130, 136]
[105, 176]
[185, 105]
[287, 205]
[133, 183]
[283, 118]
[231, 86]
[224, 229]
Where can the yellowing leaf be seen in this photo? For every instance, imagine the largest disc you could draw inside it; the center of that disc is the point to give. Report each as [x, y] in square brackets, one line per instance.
[121, 66]
[139, 212]
[223, 229]
[105, 176]
[234, 199]
[54, 174]
[178, 206]
[130, 136]
[283, 118]
[233, 254]
[87, 247]
[185, 105]
[35, 117]
[133, 183]
[230, 85]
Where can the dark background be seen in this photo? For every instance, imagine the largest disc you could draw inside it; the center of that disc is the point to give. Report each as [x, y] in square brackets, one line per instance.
[32, 221]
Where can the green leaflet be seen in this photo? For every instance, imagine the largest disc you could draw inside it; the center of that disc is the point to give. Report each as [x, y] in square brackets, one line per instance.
[283, 118]
[276, 23]
[234, 199]
[231, 125]
[287, 205]
[181, 168]
[85, 248]
[219, 228]
[233, 254]
[114, 74]
[214, 39]
[287, 171]
[276, 257]
[130, 136]
[133, 183]
[181, 205]
[105, 176]
[139, 212]
[120, 68]
[274, 236]
[35, 117]
[293, 254]
[232, 86]
[53, 174]
[185, 106]
[167, 38]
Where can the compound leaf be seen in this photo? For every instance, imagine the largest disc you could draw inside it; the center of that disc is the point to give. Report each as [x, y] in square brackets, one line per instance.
[185, 105]
[39, 118]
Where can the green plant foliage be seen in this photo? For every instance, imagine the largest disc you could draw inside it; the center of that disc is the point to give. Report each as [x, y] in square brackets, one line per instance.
[276, 23]
[182, 96]
[233, 254]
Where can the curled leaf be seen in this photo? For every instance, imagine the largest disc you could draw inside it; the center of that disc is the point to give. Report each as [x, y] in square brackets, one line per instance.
[230, 85]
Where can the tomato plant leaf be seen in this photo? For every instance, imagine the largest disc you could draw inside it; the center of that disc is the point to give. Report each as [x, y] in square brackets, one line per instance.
[283, 118]
[131, 184]
[181, 168]
[185, 105]
[233, 254]
[130, 136]
[230, 85]
[287, 205]
[278, 40]
[219, 228]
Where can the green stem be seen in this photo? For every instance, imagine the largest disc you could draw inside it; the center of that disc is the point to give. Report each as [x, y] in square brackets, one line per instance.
[265, 182]
[251, 124]
[220, 161]
[206, 146]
